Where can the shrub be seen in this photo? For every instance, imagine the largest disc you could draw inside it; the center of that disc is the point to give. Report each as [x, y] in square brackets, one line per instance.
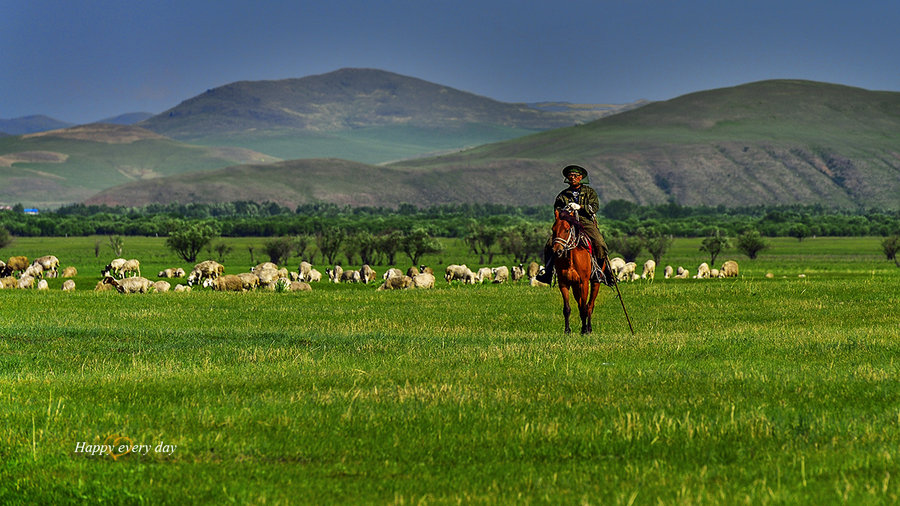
[188, 240]
[751, 243]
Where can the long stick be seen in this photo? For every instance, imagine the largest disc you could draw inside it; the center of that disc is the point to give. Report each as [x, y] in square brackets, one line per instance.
[616, 284]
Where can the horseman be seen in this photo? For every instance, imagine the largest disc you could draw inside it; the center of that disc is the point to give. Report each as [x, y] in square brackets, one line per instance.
[580, 200]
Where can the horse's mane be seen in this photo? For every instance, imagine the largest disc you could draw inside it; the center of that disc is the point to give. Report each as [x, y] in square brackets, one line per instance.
[571, 220]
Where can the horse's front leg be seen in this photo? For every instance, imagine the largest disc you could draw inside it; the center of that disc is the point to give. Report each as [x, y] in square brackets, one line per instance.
[584, 307]
[567, 309]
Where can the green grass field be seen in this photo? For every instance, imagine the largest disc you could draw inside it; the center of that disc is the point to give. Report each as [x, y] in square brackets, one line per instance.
[752, 390]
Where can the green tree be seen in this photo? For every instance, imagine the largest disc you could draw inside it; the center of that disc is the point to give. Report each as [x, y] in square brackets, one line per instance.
[329, 243]
[481, 239]
[714, 245]
[187, 240]
[279, 250]
[627, 246]
[417, 243]
[800, 231]
[5, 237]
[523, 241]
[222, 248]
[117, 244]
[891, 245]
[751, 243]
[389, 244]
[657, 245]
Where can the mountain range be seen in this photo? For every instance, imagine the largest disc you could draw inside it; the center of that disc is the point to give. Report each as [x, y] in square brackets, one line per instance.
[770, 142]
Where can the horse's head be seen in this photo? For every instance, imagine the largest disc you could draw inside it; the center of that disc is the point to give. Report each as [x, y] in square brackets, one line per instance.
[565, 232]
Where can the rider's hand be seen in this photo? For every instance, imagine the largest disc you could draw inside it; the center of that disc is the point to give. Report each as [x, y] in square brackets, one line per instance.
[572, 207]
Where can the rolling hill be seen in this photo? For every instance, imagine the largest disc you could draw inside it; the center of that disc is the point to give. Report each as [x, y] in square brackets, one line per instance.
[365, 115]
[771, 142]
[69, 165]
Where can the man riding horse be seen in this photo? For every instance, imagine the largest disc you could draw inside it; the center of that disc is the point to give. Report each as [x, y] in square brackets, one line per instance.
[580, 200]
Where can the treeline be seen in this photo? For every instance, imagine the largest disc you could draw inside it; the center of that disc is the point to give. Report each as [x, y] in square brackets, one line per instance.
[619, 217]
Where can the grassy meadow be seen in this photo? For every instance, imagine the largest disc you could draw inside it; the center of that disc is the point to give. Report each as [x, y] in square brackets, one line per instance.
[751, 390]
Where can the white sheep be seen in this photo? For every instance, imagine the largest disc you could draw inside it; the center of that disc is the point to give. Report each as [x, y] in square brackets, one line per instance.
[616, 264]
[161, 286]
[626, 273]
[134, 284]
[500, 274]
[314, 275]
[391, 273]
[396, 283]
[649, 270]
[250, 280]
[423, 280]
[702, 271]
[729, 269]
[668, 272]
[366, 274]
[351, 277]
[68, 286]
[484, 273]
[304, 270]
[207, 269]
[43, 285]
[534, 270]
[69, 272]
[517, 272]
[682, 273]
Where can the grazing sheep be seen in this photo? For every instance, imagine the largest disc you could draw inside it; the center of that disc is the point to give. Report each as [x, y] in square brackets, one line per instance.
[423, 269]
[226, 283]
[102, 286]
[300, 286]
[161, 286]
[534, 269]
[171, 272]
[68, 286]
[17, 264]
[114, 268]
[43, 285]
[134, 284]
[392, 273]
[49, 263]
[500, 274]
[668, 272]
[484, 273]
[304, 270]
[626, 273]
[649, 270]
[9, 282]
[729, 269]
[69, 272]
[314, 275]
[207, 269]
[396, 283]
[182, 288]
[132, 267]
[534, 282]
[264, 265]
[25, 282]
[351, 277]
[335, 274]
[702, 271]
[682, 273]
[459, 272]
[423, 280]
[616, 264]
[366, 274]
[517, 272]
[413, 271]
[249, 280]
[34, 270]
[715, 273]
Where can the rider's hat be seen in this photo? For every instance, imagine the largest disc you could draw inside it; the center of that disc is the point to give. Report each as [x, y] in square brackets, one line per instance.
[575, 168]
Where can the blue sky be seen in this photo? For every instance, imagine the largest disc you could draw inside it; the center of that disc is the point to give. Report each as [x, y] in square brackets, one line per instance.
[81, 61]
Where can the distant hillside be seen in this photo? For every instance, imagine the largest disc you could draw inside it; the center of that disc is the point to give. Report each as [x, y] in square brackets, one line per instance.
[69, 165]
[129, 118]
[771, 142]
[360, 114]
[30, 124]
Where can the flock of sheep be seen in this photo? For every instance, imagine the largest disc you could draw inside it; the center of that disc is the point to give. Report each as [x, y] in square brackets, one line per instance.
[125, 275]
[626, 271]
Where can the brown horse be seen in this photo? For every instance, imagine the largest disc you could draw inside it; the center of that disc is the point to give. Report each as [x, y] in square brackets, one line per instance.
[572, 259]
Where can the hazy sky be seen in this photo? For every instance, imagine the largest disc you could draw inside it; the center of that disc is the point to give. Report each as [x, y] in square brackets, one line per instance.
[84, 60]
